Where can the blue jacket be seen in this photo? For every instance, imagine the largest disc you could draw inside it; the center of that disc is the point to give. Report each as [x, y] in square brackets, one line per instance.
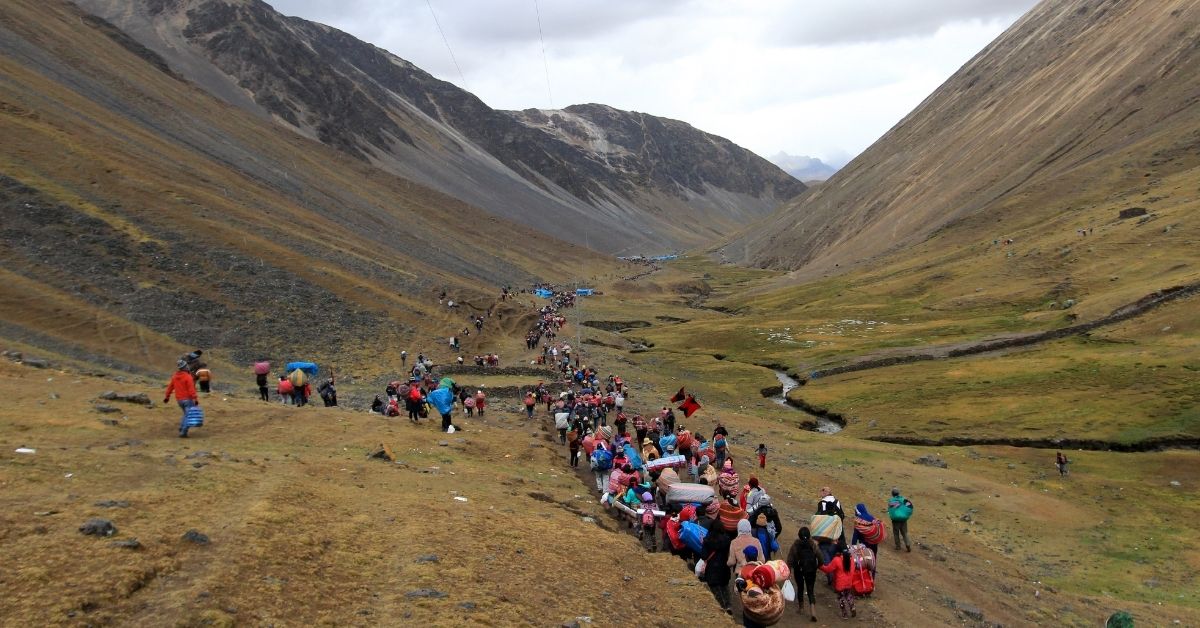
[442, 399]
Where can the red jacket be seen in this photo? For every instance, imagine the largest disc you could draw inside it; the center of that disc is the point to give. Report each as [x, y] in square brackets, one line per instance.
[842, 579]
[183, 386]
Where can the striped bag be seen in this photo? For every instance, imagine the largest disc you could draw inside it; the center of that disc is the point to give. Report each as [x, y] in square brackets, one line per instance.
[193, 417]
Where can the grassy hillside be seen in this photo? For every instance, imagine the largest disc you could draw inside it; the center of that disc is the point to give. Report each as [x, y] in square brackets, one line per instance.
[144, 211]
[1074, 87]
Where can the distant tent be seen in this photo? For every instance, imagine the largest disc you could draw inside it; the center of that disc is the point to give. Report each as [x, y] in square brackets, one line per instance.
[308, 367]
[543, 293]
[585, 292]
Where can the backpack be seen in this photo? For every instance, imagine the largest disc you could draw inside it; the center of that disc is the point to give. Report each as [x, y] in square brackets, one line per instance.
[864, 583]
[602, 459]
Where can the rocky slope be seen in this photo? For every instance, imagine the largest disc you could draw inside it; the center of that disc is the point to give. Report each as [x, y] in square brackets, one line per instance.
[142, 215]
[1078, 101]
[664, 185]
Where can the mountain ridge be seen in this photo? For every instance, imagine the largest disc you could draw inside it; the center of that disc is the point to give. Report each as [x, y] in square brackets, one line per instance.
[376, 106]
[1049, 96]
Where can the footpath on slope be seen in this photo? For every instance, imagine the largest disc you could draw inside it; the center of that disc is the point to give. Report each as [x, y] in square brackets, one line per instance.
[942, 352]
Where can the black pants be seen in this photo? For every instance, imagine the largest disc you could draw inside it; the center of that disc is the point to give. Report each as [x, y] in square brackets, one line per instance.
[262, 392]
[445, 421]
[805, 580]
[574, 457]
[204, 387]
[721, 592]
[562, 435]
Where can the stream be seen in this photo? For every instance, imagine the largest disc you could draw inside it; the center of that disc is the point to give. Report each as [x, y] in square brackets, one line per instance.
[825, 425]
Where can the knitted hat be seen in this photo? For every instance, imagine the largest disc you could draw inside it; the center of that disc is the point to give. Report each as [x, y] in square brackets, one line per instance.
[751, 552]
[713, 509]
[743, 526]
[647, 497]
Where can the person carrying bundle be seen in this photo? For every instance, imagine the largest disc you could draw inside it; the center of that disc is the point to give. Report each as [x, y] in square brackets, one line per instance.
[184, 388]
[842, 570]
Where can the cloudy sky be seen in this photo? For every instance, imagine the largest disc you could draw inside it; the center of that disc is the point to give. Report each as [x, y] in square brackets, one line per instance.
[823, 78]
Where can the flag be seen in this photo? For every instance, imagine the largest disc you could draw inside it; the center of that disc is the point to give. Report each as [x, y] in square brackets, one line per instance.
[679, 396]
[689, 406]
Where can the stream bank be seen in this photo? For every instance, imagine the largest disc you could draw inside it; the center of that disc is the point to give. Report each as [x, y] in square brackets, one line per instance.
[826, 423]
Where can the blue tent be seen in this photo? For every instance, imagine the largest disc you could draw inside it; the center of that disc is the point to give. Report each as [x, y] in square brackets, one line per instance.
[307, 367]
[543, 293]
[585, 292]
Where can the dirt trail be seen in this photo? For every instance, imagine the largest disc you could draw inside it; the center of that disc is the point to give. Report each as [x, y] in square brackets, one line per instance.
[894, 357]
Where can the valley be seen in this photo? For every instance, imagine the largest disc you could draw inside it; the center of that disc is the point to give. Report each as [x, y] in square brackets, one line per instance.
[1011, 272]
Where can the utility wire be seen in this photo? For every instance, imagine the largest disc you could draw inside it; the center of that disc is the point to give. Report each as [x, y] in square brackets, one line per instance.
[461, 78]
[545, 62]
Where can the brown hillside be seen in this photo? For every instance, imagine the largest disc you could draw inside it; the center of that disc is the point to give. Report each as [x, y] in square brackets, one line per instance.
[1077, 97]
[139, 207]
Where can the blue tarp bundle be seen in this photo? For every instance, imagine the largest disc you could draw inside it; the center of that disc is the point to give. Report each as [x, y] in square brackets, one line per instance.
[307, 367]
[543, 293]
[584, 292]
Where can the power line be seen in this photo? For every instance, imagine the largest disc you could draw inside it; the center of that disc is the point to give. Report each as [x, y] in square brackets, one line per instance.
[545, 62]
[461, 78]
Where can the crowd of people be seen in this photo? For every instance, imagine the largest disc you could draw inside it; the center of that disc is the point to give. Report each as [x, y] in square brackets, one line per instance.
[682, 492]
[679, 490]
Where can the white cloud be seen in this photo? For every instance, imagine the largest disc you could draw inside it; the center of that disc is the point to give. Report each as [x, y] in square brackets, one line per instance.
[813, 78]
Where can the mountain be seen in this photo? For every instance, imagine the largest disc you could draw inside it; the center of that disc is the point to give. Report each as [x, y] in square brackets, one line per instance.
[802, 167]
[143, 216]
[619, 181]
[1079, 100]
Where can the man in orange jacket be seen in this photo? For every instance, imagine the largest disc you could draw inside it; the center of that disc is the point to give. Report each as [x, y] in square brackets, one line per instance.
[184, 388]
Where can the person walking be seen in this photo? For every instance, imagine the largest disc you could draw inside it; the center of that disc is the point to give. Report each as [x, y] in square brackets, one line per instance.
[530, 402]
[744, 539]
[204, 379]
[403, 359]
[842, 570]
[1060, 461]
[762, 455]
[829, 505]
[869, 531]
[573, 444]
[413, 400]
[803, 559]
[285, 389]
[715, 552]
[443, 400]
[900, 509]
[480, 402]
[184, 388]
[328, 393]
[261, 369]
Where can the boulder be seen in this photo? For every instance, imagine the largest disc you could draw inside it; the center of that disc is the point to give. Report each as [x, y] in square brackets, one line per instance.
[98, 527]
